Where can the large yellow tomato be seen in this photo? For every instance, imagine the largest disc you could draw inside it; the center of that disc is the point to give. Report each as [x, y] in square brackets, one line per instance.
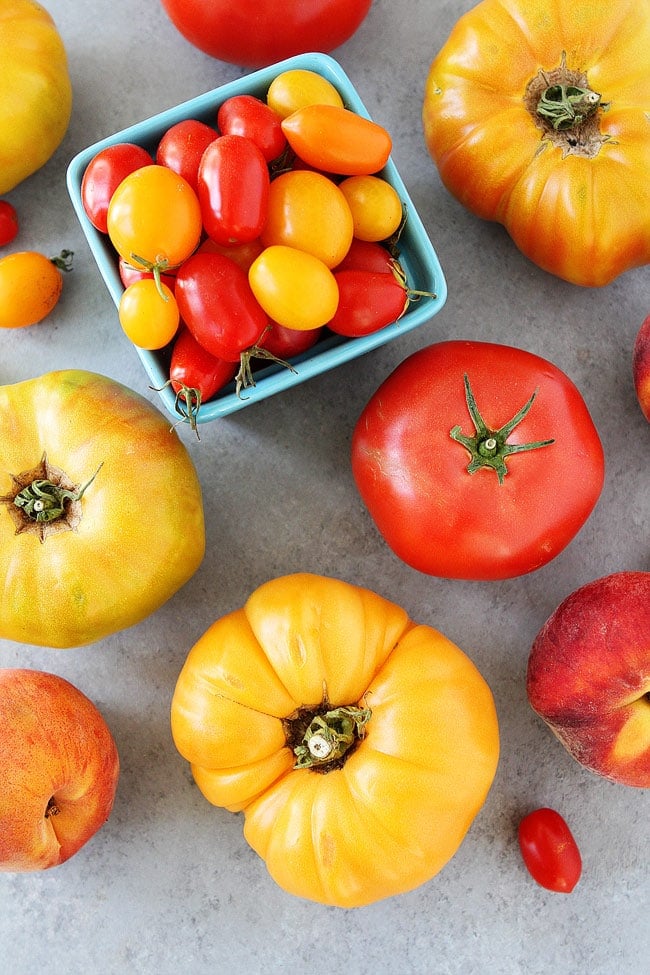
[35, 90]
[359, 745]
[101, 519]
[536, 113]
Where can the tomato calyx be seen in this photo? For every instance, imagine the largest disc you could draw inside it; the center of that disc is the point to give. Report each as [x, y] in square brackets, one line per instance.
[411, 294]
[45, 500]
[322, 740]
[244, 378]
[565, 107]
[489, 448]
[63, 261]
[157, 268]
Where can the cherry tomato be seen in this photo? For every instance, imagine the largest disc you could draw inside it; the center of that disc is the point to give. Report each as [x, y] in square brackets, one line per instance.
[368, 300]
[197, 371]
[8, 223]
[233, 189]
[367, 255]
[103, 175]
[299, 87]
[251, 117]
[217, 305]
[30, 286]
[154, 218]
[293, 287]
[549, 851]
[285, 343]
[259, 32]
[337, 140]
[129, 274]
[149, 314]
[307, 210]
[182, 146]
[375, 205]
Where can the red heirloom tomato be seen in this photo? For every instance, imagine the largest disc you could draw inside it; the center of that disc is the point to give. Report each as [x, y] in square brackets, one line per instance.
[182, 146]
[549, 850]
[477, 460]
[217, 305]
[258, 32]
[103, 175]
[251, 117]
[233, 188]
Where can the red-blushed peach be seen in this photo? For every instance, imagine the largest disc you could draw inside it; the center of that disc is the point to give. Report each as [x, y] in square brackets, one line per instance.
[589, 676]
[641, 367]
[59, 768]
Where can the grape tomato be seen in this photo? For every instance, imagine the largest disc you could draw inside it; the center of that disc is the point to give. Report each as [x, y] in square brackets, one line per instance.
[307, 210]
[182, 146]
[103, 175]
[295, 288]
[254, 119]
[549, 850]
[299, 87]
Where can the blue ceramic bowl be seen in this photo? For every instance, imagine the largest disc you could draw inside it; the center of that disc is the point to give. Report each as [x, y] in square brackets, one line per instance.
[417, 255]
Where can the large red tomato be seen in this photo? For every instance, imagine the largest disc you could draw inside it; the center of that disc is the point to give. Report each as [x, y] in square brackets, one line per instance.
[477, 460]
[258, 32]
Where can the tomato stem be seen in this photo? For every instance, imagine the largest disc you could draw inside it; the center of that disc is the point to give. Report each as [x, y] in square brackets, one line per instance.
[63, 260]
[330, 735]
[566, 106]
[43, 501]
[489, 448]
[156, 268]
[244, 378]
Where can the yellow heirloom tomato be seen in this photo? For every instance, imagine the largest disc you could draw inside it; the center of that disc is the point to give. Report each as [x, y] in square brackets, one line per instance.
[35, 90]
[536, 113]
[101, 516]
[359, 745]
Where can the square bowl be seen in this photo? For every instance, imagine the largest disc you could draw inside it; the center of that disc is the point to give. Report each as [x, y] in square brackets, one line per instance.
[417, 255]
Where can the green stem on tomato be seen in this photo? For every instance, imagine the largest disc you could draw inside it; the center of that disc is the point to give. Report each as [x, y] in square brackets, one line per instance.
[487, 447]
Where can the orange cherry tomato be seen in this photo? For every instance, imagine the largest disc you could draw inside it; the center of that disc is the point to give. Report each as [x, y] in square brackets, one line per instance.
[375, 205]
[294, 288]
[307, 210]
[337, 140]
[154, 218]
[30, 286]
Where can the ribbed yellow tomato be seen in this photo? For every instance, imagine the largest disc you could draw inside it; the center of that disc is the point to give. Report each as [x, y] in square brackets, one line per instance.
[35, 90]
[101, 516]
[536, 115]
[359, 745]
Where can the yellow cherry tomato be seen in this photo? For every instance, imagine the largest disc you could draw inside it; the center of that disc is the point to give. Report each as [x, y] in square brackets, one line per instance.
[30, 287]
[149, 314]
[307, 210]
[293, 89]
[154, 218]
[375, 206]
[294, 288]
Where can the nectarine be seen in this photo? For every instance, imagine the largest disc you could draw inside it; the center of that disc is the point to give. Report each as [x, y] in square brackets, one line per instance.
[589, 676]
[58, 766]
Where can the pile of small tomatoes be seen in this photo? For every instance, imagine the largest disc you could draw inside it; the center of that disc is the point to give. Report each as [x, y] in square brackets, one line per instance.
[243, 240]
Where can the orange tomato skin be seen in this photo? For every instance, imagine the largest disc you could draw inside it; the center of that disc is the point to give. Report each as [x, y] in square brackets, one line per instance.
[398, 808]
[30, 287]
[337, 140]
[583, 216]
